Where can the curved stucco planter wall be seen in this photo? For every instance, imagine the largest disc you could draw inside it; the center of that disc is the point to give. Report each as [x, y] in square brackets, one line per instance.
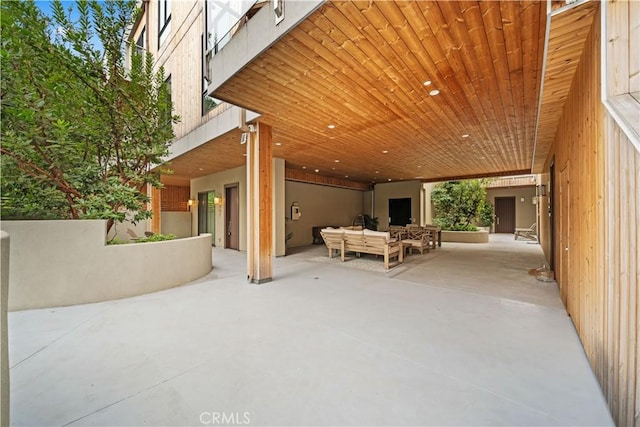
[465, 236]
[58, 263]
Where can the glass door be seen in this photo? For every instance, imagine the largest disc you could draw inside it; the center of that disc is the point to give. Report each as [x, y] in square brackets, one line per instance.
[207, 214]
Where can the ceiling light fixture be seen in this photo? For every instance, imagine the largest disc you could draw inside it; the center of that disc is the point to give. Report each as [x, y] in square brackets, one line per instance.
[332, 126]
[466, 135]
[278, 143]
[389, 179]
[346, 176]
[317, 170]
[427, 82]
[377, 171]
[385, 151]
[336, 161]
[434, 92]
[304, 167]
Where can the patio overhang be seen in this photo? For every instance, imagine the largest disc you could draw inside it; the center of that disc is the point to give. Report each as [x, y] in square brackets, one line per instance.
[346, 91]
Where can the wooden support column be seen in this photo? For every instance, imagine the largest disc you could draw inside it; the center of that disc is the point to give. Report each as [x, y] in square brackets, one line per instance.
[156, 207]
[259, 205]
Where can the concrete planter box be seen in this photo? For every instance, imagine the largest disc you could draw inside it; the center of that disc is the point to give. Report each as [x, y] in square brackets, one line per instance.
[59, 263]
[465, 236]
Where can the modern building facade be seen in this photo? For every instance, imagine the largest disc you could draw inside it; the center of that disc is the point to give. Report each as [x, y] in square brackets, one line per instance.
[278, 96]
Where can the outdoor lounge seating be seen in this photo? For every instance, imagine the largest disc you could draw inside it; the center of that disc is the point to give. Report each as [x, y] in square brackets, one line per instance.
[334, 239]
[417, 238]
[364, 241]
[527, 233]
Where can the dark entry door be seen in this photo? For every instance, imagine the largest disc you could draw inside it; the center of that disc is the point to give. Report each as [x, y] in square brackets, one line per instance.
[232, 209]
[505, 214]
[400, 211]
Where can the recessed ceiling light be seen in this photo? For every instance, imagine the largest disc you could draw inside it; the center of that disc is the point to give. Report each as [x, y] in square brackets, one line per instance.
[389, 179]
[377, 171]
[333, 168]
[304, 167]
[466, 135]
[434, 92]
[417, 177]
[346, 176]
[278, 143]
[200, 169]
[419, 167]
[332, 126]
[427, 82]
[385, 151]
[336, 161]
[317, 170]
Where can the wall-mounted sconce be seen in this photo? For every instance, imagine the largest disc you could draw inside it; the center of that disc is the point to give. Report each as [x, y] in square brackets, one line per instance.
[191, 203]
[218, 201]
[541, 190]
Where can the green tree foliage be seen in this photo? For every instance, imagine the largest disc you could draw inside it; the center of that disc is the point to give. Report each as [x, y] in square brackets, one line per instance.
[80, 132]
[458, 204]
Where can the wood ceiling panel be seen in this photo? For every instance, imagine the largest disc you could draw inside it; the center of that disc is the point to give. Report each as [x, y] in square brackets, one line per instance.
[217, 155]
[361, 67]
[567, 35]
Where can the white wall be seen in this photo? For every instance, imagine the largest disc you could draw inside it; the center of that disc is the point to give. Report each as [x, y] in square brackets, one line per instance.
[58, 263]
[396, 190]
[427, 210]
[177, 223]
[279, 211]
[525, 209]
[319, 205]
[4, 343]
[217, 181]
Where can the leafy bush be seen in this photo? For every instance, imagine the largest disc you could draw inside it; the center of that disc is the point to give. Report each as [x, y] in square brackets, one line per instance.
[458, 204]
[487, 214]
[155, 238]
[116, 241]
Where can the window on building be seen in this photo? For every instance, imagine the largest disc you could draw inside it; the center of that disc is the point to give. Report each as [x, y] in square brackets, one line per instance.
[140, 46]
[164, 20]
[208, 102]
[622, 65]
[169, 111]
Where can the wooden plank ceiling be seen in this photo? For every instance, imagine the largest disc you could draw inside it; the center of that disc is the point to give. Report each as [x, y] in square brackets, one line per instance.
[567, 35]
[346, 92]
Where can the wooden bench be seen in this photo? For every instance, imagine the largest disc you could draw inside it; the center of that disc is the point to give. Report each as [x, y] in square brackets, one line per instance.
[373, 242]
[366, 241]
[527, 233]
[417, 238]
[334, 239]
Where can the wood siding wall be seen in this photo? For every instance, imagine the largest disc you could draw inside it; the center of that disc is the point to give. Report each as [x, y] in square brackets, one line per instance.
[596, 199]
[622, 275]
[181, 56]
[175, 198]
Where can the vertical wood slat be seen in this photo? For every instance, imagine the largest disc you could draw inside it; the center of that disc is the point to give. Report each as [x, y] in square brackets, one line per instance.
[156, 203]
[602, 301]
[634, 40]
[175, 198]
[260, 204]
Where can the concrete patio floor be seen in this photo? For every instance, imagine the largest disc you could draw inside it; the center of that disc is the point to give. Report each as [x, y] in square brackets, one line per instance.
[460, 336]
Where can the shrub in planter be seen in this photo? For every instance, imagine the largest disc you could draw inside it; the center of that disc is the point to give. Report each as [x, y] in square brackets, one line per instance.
[458, 204]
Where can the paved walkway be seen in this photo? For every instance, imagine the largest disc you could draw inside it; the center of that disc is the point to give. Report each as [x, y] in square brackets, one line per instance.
[460, 336]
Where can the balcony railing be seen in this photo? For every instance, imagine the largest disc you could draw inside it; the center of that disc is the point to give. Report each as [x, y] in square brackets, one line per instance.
[225, 18]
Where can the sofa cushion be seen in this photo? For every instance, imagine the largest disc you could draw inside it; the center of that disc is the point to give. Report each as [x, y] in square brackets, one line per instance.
[332, 231]
[354, 232]
[377, 233]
